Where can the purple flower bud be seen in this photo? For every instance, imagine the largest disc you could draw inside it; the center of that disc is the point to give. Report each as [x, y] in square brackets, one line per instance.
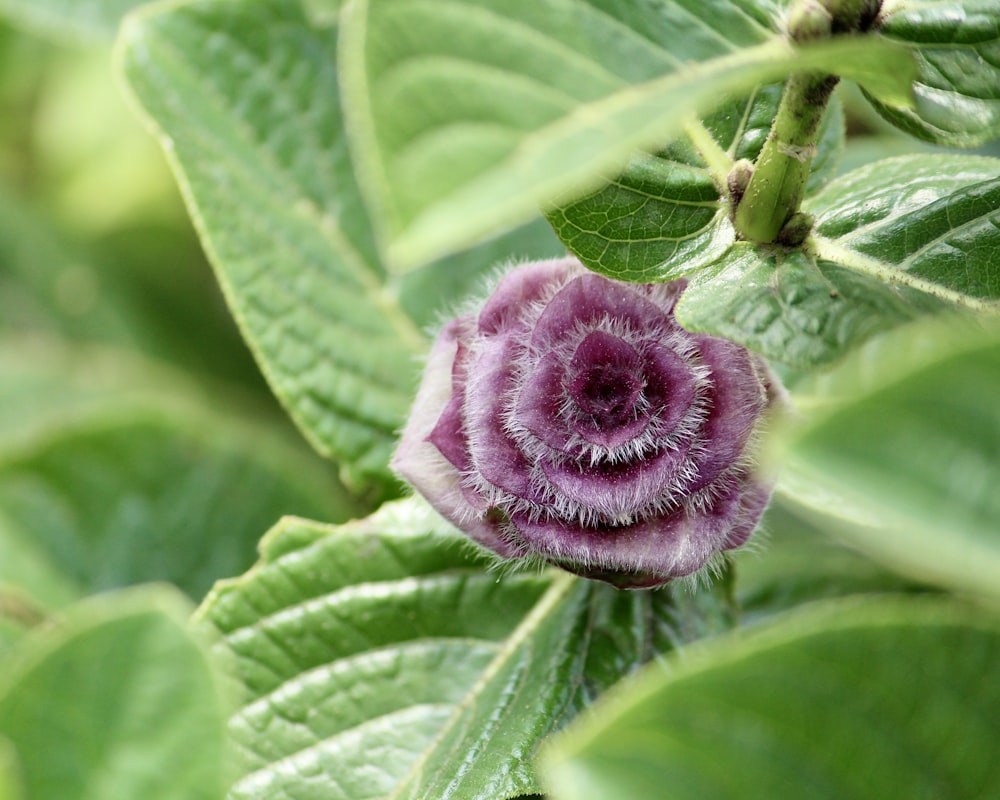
[574, 421]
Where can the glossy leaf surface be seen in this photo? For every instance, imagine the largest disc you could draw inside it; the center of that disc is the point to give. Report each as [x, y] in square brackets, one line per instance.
[957, 90]
[936, 220]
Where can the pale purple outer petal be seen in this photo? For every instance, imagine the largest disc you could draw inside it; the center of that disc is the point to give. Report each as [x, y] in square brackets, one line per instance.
[422, 464]
[573, 420]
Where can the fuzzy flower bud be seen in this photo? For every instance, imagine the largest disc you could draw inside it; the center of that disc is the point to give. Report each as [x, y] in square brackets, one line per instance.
[573, 421]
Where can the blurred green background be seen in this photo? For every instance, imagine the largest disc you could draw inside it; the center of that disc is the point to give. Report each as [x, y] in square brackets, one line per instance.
[138, 440]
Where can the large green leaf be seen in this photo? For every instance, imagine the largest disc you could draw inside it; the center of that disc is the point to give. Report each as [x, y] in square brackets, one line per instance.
[894, 240]
[957, 89]
[908, 466]
[466, 115]
[846, 701]
[118, 701]
[791, 561]
[75, 19]
[113, 472]
[381, 658]
[245, 99]
[664, 215]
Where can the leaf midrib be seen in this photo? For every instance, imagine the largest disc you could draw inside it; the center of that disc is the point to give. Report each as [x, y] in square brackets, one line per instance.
[561, 584]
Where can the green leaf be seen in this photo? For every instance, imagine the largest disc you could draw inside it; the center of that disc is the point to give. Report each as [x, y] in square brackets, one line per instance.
[114, 473]
[908, 466]
[381, 658]
[466, 115]
[244, 97]
[937, 218]
[957, 90]
[117, 701]
[791, 561]
[10, 771]
[894, 240]
[73, 19]
[291, 241]
[792, 308]
[664, 215]
[847, 700]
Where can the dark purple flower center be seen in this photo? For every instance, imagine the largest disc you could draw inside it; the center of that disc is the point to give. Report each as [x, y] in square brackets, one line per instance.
[606, 380]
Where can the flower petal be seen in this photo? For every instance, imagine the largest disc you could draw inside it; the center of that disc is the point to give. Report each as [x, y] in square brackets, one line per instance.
[518, 289]
[589, 300]
[497, 462]
[663, 547]
[737, 400]
[424, 465]
[618, 491]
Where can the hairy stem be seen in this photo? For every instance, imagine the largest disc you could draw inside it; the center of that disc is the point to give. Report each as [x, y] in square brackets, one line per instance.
[778, 183]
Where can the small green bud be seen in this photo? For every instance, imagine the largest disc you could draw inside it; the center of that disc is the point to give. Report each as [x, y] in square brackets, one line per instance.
[809, 20]
[738, 179]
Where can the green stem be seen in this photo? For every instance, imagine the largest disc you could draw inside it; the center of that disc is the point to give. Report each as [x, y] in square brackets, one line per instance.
[779, 178]
[778, 183]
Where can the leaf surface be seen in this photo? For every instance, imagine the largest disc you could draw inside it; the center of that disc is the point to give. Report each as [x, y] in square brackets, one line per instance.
[544, 99]
[792, 560]
[120, 700]
[113, 472]
[957, 89]
[935, 220]
[905, 466]
[245, 100]
[823, 703]
[664, 215]
[381, 659]
[938, 218]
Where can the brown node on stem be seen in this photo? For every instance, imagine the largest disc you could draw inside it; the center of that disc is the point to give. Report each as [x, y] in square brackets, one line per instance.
[796, 230]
